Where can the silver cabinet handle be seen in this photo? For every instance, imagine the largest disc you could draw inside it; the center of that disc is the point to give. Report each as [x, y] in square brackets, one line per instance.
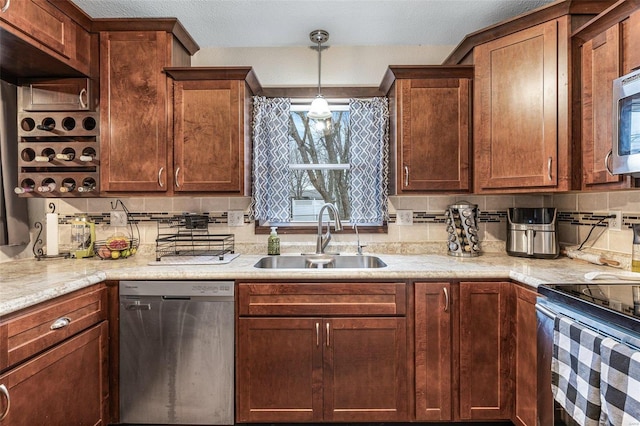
[446, 299]
[606, 162]
[406, 175]
[549, 162]
[327, 334]
[176, 178]
[160, 177]
[317, 334]
[60, 323]
[83, 92]
[3, 10]
[5, 392]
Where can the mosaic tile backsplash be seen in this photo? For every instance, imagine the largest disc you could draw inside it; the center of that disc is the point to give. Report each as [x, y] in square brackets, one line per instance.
[577, 213]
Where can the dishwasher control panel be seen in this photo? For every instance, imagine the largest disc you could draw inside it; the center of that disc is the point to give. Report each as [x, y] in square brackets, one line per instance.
[186, 288]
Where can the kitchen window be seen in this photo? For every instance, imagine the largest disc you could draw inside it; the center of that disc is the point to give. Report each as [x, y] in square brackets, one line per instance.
[324, 161]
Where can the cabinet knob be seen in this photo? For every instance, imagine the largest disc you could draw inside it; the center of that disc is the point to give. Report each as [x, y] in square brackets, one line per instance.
[4, 391]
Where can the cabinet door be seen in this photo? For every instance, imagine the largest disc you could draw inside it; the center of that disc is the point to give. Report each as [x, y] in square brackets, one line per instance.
[133, 103]
[525, 373]
[631, 36]
[600, 66]
[67, 94]
[434, 133]
[67, 385]
[208, 122]
[279, 370]
[516, 110]
[433, 347]
[365, 369]
[43, 22]
[485, 393]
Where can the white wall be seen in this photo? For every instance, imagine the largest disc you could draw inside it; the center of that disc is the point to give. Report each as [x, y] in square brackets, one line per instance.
[341, 65]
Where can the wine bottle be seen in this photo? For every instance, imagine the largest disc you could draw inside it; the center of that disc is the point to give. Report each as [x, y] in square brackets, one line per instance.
[48, 185]
[87, 154]
[47, 155]
[88, 185]
[67, 154]
[68, 185]
[22, 189]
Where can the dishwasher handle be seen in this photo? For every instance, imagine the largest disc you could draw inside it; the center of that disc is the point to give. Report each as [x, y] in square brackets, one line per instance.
[137, 306]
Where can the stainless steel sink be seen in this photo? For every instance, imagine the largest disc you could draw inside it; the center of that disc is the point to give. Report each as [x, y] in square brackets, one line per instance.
[320, 261]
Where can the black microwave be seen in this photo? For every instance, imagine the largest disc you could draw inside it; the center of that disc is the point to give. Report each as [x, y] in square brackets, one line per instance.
[625, 154]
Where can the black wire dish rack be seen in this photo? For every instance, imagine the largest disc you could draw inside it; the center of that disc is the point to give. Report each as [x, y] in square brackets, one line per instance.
[189, 236]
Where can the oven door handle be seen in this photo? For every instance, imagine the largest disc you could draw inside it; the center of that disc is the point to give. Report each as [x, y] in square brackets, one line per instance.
[545, 311]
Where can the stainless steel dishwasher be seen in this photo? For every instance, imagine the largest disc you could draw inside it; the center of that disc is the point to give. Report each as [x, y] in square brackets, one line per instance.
[177, 352]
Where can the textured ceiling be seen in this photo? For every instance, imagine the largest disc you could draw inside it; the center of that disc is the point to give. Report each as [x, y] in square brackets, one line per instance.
[281, 23]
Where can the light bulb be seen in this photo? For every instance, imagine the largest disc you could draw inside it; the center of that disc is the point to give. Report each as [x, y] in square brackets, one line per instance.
[319, 109]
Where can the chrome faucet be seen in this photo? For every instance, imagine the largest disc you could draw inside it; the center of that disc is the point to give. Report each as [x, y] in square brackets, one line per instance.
[360, 246]
[323, 240]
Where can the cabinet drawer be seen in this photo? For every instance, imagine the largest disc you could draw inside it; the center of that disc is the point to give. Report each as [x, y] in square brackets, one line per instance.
[44, 325]
[335, 298]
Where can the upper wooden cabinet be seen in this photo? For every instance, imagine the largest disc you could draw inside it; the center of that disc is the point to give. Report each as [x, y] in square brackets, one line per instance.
[211, 134]
[430, 127]
[523, 99]
[134, 101]
[607, 47]
[38, 38]
[521, 134]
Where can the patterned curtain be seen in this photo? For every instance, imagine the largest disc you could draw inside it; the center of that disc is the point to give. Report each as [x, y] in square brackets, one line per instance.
[271, 159]
[369, 158]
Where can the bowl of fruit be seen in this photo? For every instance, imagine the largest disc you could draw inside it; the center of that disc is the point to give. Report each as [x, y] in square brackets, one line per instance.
[116, 247]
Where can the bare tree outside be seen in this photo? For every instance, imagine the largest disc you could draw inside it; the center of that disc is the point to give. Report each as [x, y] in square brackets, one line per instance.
[320, 144]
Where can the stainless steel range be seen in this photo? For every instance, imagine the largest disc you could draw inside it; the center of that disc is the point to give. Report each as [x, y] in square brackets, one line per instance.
[607, 309]
[177, 352]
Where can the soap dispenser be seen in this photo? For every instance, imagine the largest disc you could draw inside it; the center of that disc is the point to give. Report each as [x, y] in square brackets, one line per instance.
[273, 242]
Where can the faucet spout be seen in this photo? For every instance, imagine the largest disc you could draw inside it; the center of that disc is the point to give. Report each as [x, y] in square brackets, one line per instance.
[323, 240]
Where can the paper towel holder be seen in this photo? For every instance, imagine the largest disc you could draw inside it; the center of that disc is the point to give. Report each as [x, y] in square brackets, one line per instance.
[38, 243]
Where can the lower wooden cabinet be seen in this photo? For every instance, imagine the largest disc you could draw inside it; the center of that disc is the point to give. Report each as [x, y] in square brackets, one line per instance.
[463, 351]
[321, 368]
[525, 360]
[54, 361]
[67, 385]
[485, 332]
[433, 351]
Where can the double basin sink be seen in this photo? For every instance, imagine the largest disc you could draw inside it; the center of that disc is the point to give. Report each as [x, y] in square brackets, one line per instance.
[320, 261]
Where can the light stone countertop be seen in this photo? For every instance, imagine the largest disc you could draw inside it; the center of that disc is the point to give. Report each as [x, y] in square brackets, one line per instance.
[24, 283]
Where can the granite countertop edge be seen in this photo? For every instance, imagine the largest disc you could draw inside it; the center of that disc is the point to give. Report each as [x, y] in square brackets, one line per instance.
[25, 283]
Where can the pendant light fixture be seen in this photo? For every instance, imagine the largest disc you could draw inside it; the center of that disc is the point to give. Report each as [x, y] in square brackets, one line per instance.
[319, 109]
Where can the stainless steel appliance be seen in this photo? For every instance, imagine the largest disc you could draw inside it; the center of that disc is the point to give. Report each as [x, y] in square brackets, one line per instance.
[531, 232]
[177, 352]
[606, 308]
[625, 154]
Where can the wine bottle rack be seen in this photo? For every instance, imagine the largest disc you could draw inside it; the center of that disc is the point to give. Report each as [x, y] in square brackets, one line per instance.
[58, 153]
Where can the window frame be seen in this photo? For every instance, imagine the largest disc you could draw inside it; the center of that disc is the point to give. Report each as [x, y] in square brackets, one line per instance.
[336, 96]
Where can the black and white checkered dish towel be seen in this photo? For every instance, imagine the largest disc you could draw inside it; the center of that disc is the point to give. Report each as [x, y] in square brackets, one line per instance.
[575, 370]
[620, 384]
